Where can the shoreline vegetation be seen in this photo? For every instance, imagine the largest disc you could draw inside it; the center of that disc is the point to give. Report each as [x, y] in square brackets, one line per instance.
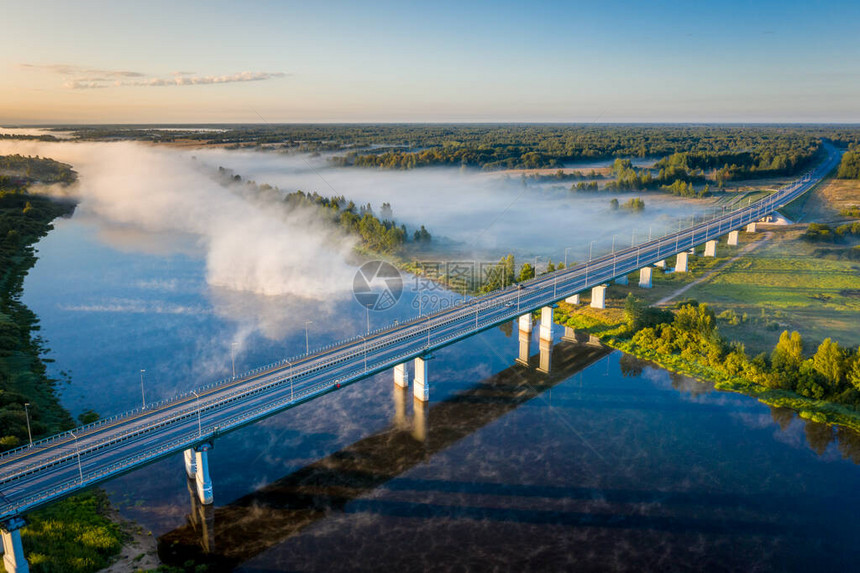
[75, 534]
[687, 342]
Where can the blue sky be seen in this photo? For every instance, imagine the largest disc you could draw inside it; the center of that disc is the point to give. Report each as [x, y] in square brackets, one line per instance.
[430, 61]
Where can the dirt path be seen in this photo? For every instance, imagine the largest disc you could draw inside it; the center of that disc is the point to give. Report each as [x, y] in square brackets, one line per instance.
[665, 300]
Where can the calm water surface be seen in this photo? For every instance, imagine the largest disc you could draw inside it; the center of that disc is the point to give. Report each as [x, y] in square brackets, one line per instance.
[606, 463]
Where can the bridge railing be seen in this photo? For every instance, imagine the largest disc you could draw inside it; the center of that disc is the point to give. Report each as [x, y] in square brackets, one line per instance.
[300, 366]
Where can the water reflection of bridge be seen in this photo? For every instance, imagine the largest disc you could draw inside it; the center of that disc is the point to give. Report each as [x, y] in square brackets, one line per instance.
[226, 536]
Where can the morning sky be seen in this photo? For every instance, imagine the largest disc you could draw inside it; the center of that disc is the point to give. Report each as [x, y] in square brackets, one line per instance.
[615, 61]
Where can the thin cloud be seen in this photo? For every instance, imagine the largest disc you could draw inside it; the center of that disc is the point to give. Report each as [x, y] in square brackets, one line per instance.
[82, 72]
[82, 78]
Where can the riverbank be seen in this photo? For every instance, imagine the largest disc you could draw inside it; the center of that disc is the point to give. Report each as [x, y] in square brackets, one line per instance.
[611, 333]
[77, 534]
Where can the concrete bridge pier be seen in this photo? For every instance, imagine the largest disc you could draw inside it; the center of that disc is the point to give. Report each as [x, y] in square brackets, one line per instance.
[421, 389]
[751, 228]
[733, 238]
[13, 551]
[681, 262]
[660, 264]
[525, 338]
[401, 376]
[202, 519]
[645, 277]
[574, 299]
[197, 468]
[190, 463]
[545, 343]
[598, 296]
[711, 249]
[546, 323]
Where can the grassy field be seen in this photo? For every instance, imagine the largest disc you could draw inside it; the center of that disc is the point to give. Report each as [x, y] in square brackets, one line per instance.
[823, 205]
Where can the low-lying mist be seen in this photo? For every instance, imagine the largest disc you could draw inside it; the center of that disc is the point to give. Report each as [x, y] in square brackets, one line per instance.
[482, 214]
[255, 246]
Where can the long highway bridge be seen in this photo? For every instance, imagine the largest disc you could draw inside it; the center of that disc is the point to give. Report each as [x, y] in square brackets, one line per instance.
[60, 465]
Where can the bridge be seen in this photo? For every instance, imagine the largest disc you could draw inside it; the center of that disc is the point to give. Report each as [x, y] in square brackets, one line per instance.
[61, 465]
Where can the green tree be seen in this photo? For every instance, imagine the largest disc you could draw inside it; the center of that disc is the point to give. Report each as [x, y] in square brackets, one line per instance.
[526, 272]
[829, 362]
[788, 353]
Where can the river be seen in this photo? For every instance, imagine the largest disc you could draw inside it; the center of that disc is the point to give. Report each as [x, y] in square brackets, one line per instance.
[613, 465]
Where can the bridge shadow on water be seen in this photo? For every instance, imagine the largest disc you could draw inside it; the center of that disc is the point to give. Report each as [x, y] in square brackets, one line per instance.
[224, 537]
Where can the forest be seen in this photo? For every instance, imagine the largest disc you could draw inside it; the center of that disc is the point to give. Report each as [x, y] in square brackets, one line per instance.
[740, 151]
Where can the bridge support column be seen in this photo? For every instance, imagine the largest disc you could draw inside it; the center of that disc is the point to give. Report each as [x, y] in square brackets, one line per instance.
[598, 296]
[574, 299]
[622, 280]
[681, 262]
[525, 338]
[401, 376]
[733, 238]
[751, 228]
[645, 277]
[204, 480]
[546, 323]
[569, 334]
[190, 463]
[711, 249]
[660, 264]
[421, 388]
[13, 551]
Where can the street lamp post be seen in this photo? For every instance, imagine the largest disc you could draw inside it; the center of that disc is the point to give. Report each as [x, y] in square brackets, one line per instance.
[27, 413]
[199, 423]
[291, 379]
[307, 343]
[565, 256]
[78, 452]
[590, 245]
[365, 351]
[142, 393]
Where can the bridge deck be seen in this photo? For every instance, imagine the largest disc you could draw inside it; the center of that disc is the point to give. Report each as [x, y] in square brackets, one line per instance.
[60, 465]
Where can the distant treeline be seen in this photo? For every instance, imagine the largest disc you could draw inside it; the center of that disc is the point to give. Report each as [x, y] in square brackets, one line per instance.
[849, 168]
[380, 234]
[741, 152]
[759, 149]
